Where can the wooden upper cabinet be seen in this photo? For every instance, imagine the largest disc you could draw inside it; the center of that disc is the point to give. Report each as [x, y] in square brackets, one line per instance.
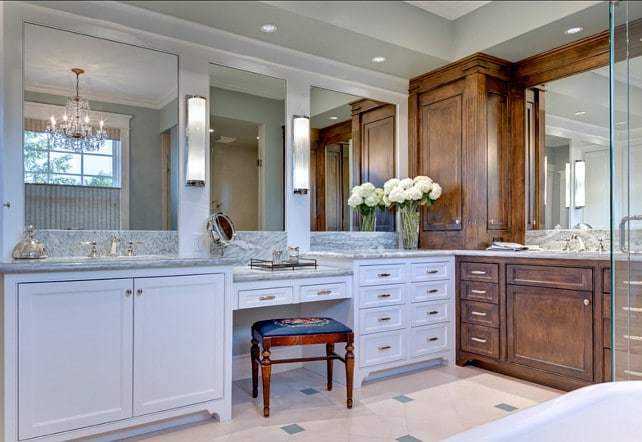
[459, 135]
[440, 135]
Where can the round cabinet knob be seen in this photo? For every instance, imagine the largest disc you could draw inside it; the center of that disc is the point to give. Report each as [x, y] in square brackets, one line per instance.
[587, 302]
[128, 292]
[139, 292]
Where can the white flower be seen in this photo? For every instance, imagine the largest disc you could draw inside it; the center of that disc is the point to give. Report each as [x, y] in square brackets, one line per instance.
[435, 191]
[365, 197]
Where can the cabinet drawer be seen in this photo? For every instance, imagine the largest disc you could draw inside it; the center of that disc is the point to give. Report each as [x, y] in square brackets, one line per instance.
[381, 347]
[322, 292]
[479, 339]
[381, 295]
[479, 291]
[427, 291]
[479, 271]
[381, 274]
[381, 319]
[430, 313]
[427, 271]
[572, 278]
[429, 339]
[480, 313]
[264, 297]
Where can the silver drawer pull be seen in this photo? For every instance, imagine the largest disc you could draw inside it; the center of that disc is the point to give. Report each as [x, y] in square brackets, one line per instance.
[432, 291]
[434, 312]
[478, 272]
[633, 337]
[386, 318]
[433, 339]
[384, 295]
[385, 347]
[632, 282]
[383, 275]
[632, 309]
[483, 341]
[267, 298]
[478, 313]
[324, 292]
[432, 271]
[479, 292]
[633, 373]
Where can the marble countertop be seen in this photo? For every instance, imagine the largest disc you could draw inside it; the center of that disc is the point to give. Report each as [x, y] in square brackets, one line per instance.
[425, 253]
[110, 263]
[246, 273]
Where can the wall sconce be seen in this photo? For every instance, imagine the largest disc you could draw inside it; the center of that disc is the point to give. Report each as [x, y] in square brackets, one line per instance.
[567, 185]
[301, 160]
[580, 180]
[196, 140]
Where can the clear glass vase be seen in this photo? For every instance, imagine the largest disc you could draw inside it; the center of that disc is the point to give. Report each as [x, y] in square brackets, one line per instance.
[409, 228]
[367, 223]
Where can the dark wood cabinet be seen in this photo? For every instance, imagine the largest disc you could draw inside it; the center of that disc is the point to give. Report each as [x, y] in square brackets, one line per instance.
[459, 135]
[541, 320]
[550, 329]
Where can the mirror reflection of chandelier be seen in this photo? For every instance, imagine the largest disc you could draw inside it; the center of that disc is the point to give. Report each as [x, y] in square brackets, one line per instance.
[74, 132]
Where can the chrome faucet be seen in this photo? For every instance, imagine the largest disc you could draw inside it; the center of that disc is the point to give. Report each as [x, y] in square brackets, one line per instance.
[580, 241]
[113, 251]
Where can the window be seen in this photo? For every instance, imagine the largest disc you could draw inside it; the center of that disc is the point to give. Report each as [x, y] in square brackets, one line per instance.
[45, 165]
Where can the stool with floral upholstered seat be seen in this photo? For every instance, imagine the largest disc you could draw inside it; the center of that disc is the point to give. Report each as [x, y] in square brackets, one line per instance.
[299, 331]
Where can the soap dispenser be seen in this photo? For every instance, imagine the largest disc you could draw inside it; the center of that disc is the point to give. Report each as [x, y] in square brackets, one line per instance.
[29, 247]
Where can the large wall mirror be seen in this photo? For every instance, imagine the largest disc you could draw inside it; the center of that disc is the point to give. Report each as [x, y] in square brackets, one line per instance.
[247, 118]
[131, 181]
[577, 151]
[352, 142]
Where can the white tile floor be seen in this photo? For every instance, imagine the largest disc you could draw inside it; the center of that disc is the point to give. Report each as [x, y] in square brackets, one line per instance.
[426, 405]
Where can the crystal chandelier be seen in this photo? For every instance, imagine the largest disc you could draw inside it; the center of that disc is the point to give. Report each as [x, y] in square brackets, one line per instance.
[75, 132]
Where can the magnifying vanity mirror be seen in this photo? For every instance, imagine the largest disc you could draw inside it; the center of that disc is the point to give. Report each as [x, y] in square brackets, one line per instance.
[221, 228]
[131, 181]
[247, 126]
[352, 142]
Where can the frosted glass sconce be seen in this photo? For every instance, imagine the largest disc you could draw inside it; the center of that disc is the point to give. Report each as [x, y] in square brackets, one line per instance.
[301, 160]
[580, 186]
[196, 140]
[567, 185]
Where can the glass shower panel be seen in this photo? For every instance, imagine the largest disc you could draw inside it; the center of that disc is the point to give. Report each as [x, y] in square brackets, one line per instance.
[626, 189]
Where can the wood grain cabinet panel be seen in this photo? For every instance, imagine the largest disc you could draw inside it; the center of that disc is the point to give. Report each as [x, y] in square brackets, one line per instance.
[479, 271]
[572, 278]
[550, 329]
[479, 339]
[481, 313]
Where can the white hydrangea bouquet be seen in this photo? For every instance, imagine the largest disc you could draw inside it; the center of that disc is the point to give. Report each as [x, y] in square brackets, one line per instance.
[366, 199]
[408, 194]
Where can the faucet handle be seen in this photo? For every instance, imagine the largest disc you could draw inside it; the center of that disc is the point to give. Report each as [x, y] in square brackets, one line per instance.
[130, 247]
[93, 253]
[567, 245]
[600, 247]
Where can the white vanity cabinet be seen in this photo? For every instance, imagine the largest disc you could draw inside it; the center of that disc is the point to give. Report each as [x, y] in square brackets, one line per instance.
[404, 311]
[107, 352]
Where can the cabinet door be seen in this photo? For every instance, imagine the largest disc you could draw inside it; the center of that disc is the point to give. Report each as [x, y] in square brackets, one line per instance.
[75, 357]
[178, 341]
[498, 165]
[550, 329]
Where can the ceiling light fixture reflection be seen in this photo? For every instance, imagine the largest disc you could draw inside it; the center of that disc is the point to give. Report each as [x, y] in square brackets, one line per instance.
[333, 118]
[578, 113]
[268, 28]
[574, 30]
[378, 59]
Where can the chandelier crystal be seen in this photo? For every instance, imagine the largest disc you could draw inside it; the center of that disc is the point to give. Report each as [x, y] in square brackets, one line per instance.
[75, 132]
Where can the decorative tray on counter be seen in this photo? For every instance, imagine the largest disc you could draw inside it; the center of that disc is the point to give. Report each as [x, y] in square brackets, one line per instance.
[271, 265]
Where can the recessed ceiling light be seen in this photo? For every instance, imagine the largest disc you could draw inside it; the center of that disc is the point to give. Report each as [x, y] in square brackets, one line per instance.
[574, 30]
[579, 113]
[333, 118]
[268, 27]
[378, 59]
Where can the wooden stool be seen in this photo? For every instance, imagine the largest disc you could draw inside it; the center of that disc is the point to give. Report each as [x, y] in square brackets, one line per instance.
[299, 331]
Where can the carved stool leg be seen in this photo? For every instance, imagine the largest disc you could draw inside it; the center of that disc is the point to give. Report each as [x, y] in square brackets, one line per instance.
[266, 370]
[329, 350]
[349, 372]
[254, 356]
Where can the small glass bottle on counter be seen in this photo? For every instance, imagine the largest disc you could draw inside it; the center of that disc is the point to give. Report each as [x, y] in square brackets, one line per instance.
[293, 255]
[277, 257]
